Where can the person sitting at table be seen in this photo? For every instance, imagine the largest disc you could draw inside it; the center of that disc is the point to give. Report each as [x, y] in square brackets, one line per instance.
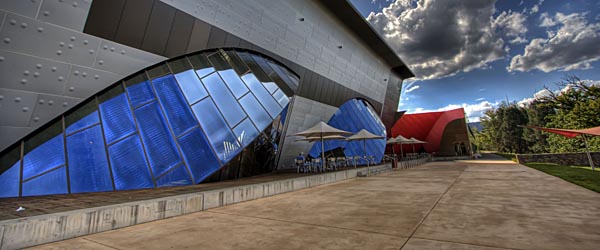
[300, 160]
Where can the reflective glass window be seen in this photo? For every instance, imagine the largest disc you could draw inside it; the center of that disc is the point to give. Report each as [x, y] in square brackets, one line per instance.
[201, 64]
[220, 136]
[245, 132]
[226, 102]
[218, 61]
[9, 180]
[117, 120]
[198, 155]
[191, 86]
[257, 113]
[271, 87]
[234, 82]
[238, 65]
[53, 182]
[256, 69]
[129, 166]
[262, 95]
[176, 109]
[44, 157]
[88, 166]
[176, 177]
[160, 147]
[180, 65]
[281, 98]
[82, 117]
[139, 90]
[283, 74]
[158, 71]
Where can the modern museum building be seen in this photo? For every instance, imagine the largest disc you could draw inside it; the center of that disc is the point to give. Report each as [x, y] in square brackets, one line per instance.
[111, 95]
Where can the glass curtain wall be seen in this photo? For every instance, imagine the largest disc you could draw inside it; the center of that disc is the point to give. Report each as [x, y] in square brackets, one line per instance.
[175, 123]
[352, 116]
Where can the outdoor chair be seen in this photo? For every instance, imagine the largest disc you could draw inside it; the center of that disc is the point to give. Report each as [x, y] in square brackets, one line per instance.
[317, 165]
[331, 164]
[299, 163]
[356, 160]
[341, 161]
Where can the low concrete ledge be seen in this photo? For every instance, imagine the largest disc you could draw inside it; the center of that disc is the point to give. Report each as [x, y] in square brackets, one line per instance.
[36, 230]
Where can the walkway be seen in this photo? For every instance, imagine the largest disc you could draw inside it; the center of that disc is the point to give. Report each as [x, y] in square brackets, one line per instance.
[484, 204]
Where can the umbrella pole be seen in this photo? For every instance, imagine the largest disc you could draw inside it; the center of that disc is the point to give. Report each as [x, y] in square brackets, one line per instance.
[401, 156]
[365, 148]
[323, 161]
[587, 150]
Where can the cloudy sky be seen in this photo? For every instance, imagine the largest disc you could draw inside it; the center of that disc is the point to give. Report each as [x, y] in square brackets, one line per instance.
[476, 53]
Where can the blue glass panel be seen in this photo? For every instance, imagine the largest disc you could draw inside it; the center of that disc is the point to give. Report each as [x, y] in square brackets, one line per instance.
[245, 132]
[198, 155]
[220, 136]
[262, 94]
[116, 118]
[176, 109]
[257, 113]
[88, 166]
[84, 122]
[160, 147]
[177, 177]
[53, 182]
[270, 86]
[129, 166]
[191, 86]
[228, 105]
[140, 93]
[46, 156]
[281, 98]
[9, 181]
[234, 82]
[284, 114]
[353, 116]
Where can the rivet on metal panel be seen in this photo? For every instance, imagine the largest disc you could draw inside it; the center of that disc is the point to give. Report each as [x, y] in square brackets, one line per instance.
[60, 78]
[65, 104]
[100, 62]
[36, 74]
[1, 97]
[83, 74]
[59, 52]
[85, 42]
[38, 66]
[25, 109]
[50, 103]
[72, 39]
[23, 81]
[7, 40]
[1, 59]
[96, 76]
[13, 22]
[91, 51]
[17, 99]
[23, 25]
[40, 29]
[46, 13]
[53, 69]
[26, 72]
[36, 119]
[76, 72]
[41, 101]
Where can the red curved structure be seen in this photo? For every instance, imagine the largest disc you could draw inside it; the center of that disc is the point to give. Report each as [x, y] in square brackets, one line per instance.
[432, 127]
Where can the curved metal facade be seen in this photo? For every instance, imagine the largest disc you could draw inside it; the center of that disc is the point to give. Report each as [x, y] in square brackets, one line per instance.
[175, 123]
[352, 116]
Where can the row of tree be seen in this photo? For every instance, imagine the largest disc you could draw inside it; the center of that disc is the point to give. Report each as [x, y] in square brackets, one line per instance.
[574, 105]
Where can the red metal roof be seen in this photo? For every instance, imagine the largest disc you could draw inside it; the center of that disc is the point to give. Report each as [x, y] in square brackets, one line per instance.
[427, 127]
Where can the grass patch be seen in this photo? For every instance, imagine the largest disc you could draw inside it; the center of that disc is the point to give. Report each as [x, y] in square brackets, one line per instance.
[574, 174]
[508, 156]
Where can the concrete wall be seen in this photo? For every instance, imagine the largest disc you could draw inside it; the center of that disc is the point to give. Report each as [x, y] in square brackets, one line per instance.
[568, 159]
[31, 231]
[48, 65]
[304, 114]
[312, 43]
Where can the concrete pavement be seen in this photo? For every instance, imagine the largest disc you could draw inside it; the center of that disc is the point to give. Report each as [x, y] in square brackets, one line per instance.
[483, 204]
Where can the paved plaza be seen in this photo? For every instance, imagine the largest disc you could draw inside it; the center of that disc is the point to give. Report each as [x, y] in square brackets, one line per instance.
[483, 204]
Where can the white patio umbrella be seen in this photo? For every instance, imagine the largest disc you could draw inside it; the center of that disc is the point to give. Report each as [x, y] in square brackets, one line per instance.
[398, 140]
[364, 135]
[321, 130]
[414, 141]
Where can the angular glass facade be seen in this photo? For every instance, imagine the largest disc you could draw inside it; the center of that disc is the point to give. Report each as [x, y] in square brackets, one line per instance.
[176, 123]
[352, 116]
